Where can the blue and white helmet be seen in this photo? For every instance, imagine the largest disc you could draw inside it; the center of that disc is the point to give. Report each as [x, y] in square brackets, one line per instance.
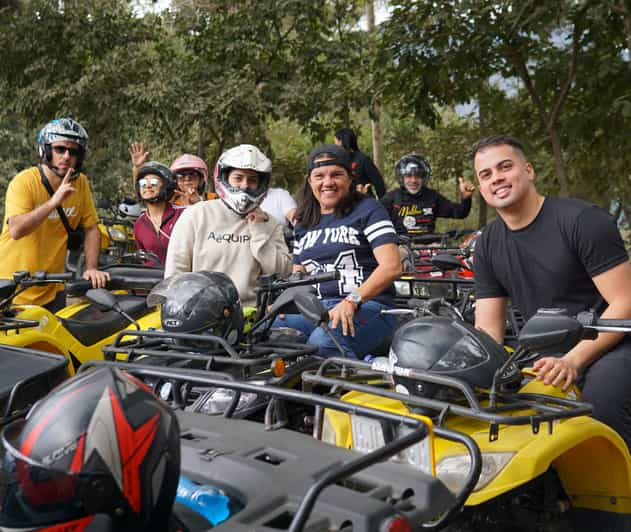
[244, 157]
[62, 129]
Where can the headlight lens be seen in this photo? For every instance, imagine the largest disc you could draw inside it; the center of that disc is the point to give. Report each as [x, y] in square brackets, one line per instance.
[368, 435]
[328, 431]
[429, 289]
[220, 398]
[116, 234]
[402, 288]
[453, 469]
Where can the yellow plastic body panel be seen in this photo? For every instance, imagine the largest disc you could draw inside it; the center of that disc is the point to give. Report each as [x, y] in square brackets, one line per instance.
[591, 459]
[51, 336]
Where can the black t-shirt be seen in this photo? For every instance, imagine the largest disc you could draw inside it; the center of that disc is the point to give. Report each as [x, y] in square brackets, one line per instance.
[418, 212]
[551, 262]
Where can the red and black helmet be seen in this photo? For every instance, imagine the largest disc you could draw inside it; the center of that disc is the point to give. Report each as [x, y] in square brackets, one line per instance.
[101, 443]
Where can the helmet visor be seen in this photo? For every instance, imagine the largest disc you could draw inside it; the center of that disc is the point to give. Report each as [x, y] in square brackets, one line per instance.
[188, 303]
[32, 494]
[412, 169]
[177, 290]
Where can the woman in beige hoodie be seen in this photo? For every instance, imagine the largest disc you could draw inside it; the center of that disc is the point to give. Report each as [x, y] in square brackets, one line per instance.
[234, 235]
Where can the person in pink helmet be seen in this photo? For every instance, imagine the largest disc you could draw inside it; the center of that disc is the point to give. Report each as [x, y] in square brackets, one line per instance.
[191, 173]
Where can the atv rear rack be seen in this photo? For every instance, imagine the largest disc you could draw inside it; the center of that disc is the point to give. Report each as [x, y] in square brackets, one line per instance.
[540, 408]
[26, 375]
[317, 465]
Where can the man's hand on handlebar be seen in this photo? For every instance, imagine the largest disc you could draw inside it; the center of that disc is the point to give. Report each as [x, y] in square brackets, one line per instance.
[99, 279]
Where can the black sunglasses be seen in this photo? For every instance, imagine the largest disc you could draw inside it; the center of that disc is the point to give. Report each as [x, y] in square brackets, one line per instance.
[191, 174]
[60, 150]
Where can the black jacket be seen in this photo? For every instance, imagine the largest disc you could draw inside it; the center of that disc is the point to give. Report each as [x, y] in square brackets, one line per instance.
[418, 212]
[366, 172]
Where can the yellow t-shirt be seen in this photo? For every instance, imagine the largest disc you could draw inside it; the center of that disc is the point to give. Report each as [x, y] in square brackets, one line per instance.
[45, 248]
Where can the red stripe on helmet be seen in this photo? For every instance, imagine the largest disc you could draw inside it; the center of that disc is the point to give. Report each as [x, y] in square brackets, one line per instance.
[133, 447]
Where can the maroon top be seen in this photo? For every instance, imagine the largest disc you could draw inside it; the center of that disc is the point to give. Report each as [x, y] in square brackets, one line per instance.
[148, 239]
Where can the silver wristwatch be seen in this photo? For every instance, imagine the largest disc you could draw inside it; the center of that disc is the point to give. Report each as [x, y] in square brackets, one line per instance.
[354, 297]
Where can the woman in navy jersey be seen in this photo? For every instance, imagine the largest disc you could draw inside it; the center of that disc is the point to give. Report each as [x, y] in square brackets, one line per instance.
[341, 229]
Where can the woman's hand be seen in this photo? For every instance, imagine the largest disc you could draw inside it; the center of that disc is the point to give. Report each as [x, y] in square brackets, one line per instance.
[190, 196]
[138, 154]
[343, 313]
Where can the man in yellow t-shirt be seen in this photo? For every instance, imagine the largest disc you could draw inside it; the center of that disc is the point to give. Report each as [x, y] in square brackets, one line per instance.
[33, 236]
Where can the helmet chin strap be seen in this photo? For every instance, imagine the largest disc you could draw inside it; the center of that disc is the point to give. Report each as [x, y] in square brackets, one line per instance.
[56, 170]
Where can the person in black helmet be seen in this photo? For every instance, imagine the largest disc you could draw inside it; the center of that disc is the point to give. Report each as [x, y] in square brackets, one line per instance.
[152, 230]
[369, 179]
[34, 235]
[413, 207]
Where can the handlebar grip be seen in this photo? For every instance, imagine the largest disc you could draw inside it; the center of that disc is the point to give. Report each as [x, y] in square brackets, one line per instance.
[78, 287]
[324, 277]
[61, 277]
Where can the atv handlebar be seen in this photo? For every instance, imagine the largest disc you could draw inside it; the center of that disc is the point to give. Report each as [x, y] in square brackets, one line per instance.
[271, 283]
[26, 278]
[81, 286]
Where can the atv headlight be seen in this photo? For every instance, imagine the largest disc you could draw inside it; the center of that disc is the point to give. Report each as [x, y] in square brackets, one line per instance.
[402, 288]
[453, 469]
[418, 455]
[370, 434]
[116, 234]
[428, 289]
[220, 398]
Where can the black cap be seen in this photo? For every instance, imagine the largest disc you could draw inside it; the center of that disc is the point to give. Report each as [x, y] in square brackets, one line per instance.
[340, 157]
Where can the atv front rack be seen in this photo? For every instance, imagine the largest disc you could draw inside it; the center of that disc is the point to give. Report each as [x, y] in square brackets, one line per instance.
[290, 481]
[210, 351]
[511, 408]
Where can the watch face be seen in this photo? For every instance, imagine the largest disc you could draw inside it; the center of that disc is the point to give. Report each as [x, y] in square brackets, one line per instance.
[355, 298]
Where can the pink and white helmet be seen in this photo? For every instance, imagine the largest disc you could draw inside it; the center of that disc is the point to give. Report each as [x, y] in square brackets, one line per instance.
[244, 157]
[191, 162]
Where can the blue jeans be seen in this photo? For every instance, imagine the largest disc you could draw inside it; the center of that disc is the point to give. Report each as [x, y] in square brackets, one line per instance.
[371, 329]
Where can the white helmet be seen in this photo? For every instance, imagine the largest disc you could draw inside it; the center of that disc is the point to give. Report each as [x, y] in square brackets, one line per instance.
[129, 209]
[243, 157]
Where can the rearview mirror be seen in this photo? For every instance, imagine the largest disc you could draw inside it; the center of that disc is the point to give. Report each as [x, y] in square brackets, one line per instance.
[311, 308]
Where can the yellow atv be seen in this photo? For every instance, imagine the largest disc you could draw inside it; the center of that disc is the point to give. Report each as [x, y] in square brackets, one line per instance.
[80, 330]
[547, 465]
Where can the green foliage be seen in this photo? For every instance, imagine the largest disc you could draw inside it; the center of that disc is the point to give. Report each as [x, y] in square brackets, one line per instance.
[284, 74]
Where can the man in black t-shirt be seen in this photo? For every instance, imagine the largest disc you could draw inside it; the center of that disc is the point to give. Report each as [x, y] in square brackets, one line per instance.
[554, 252]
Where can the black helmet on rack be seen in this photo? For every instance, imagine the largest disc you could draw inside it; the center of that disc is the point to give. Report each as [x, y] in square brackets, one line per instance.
[448, 348]
[164, 173]
[101, 443]
[199, 302]
[412, 165]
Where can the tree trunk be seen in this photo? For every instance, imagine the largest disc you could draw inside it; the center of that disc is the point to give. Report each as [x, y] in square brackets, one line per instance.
[376, 108]
[483, 212]
[559, 164]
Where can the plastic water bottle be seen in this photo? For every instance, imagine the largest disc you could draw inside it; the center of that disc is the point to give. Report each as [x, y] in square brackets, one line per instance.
[209, 502]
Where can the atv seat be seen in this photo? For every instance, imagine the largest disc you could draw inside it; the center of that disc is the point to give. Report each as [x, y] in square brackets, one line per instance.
[91, 324]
